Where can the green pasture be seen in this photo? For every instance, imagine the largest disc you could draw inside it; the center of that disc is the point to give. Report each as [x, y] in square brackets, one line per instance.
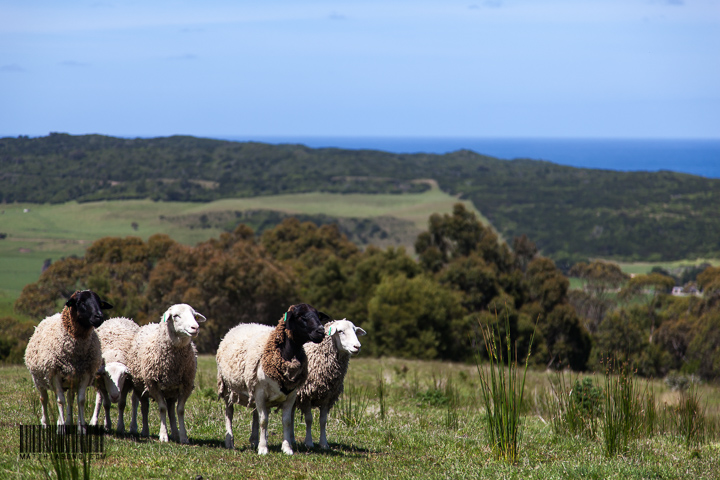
[402, 423]
[39, 232]
[645, 267]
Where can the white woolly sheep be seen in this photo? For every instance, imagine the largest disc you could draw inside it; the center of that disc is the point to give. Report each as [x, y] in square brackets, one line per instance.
[113, 380]
[263, 366]
[327, 366]
[63, 354]
[162, 364]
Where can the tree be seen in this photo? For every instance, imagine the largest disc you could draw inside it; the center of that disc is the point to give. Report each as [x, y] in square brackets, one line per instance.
[709, 282]
[458, 235]
[652, 286]
[601, 279]
[525, 251]
[416, 318]
[230, 280]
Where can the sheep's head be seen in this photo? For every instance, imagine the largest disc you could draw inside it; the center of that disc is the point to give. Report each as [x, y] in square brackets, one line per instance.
[304, 323]
[86, 308]
[183, 320]
[345, 335]
[113, 377]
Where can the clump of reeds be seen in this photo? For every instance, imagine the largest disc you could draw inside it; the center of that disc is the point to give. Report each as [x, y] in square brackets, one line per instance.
[623, 409]
[502, 392]
[352, 406]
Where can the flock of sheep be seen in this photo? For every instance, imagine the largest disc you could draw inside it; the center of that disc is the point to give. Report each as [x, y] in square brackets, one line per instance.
[299, 364]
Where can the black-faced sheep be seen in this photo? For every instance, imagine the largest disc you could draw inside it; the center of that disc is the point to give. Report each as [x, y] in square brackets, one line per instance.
[327, 365]
[162, 364]
[263, 366]
[63, 354]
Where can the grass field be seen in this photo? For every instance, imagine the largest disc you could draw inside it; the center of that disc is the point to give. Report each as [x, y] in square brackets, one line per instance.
[645, 267]
[56, 231]
[419, 436]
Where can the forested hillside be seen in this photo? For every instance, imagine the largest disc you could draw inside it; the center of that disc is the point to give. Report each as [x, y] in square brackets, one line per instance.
[570, 213]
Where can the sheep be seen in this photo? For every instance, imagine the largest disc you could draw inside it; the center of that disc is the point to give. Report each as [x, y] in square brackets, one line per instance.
[64, 353]
[327, 366]
[263, 366]
[162, 364]
[113, 380]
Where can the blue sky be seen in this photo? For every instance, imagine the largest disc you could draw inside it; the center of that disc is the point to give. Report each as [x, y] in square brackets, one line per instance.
[468, 68]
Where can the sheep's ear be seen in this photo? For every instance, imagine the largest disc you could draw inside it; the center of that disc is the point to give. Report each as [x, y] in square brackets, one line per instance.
[291, 313]
[199, 316]
[360, 332]
[72, 301]
[105, 305]
[323, 317]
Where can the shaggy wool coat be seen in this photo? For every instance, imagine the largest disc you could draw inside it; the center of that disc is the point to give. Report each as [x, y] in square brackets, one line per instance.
[243, 349]
[153, 358]
[59, 344]
[116, 339]
[327, 369]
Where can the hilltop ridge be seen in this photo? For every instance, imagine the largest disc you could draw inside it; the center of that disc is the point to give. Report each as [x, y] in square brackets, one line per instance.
[571, 213]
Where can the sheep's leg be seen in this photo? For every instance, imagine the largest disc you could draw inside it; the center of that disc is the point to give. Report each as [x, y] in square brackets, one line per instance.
[82, 392]
[292, 427]
[287, 414]
[108, 420]
[57, 382]
[308, 427]
[162, 407]
[43, 401]
[96, 412]
[133, 414]
[122, 401]
[323, 422]
[262, 413]
[229, 410]
[172, 420]
[181, 420]
[144, 406]
[44, 405]
[254, 429]
[70, 398]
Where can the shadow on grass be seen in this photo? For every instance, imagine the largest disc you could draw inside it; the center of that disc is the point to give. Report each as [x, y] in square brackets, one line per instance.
[335, 450]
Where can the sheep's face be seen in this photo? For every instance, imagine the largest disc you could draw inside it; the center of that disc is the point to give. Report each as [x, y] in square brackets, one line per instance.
[345, 335]
[87, 308]
[113, 376]
[305, 323]
[183, 320]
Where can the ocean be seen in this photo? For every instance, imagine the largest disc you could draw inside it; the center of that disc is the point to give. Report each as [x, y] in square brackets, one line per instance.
[696, 157]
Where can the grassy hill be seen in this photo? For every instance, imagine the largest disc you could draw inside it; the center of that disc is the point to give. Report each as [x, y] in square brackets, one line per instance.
[36, 232]
[571, 213]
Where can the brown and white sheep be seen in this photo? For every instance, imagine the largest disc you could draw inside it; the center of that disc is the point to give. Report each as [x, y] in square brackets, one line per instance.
[63, 354]
[263, 366]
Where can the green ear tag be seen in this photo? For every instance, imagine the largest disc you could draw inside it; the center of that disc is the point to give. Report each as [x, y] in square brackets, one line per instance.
[285, 317]
[165, 317]
[330, 332]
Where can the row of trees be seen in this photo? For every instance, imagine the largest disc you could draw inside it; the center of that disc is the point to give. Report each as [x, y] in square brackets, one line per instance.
[429, 308]
[637, 320]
